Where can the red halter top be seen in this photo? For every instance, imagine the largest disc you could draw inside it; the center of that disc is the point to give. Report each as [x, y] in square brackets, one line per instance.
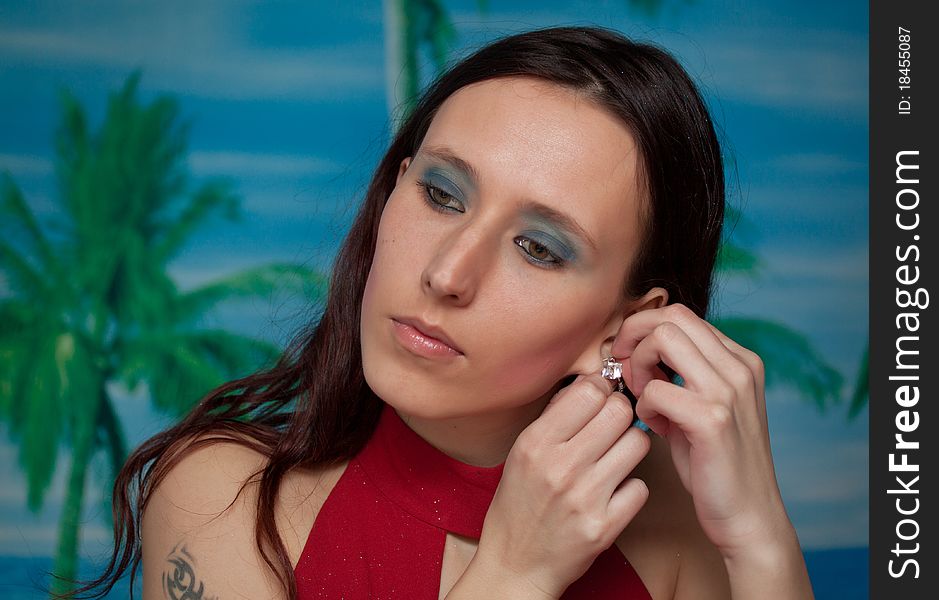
[381, 531]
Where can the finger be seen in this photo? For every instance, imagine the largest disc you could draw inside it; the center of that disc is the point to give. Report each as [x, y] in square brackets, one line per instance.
[736, 366]
[732, 345]
[753, 363]
[602, 431]
[639, 325]
[626, 502]
[572, 408]
[664, 405]
[657, 373]
[669, 343]
[620, 460]
[745, 355]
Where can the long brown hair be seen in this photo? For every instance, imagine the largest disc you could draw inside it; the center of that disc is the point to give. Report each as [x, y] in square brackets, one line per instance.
[314, 407]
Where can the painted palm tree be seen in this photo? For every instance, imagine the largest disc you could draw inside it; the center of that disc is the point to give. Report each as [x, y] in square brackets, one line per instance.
[416, 26]
[860, 395]
[410, 27]
[87, 304]
[413, 26]
[788, 356]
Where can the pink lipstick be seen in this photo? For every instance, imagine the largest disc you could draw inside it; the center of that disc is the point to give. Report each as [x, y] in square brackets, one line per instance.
[424, 340]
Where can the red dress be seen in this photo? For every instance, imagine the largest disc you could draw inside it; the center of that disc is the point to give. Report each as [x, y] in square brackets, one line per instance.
[381, 531]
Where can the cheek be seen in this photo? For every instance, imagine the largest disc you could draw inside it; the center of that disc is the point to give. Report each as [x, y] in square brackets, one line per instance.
[383, 283]
[395, 249]
[536, 350]
[396, 267]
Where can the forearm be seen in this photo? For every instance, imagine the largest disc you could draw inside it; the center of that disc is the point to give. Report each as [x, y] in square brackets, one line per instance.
[771, 572]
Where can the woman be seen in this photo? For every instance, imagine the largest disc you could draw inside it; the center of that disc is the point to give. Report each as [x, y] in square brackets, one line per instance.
[556, 199]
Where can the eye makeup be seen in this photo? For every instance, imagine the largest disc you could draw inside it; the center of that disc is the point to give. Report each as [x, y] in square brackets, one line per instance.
[468, 176]
[553, 243]
[436, 180]
[526, 243]
[443, 181]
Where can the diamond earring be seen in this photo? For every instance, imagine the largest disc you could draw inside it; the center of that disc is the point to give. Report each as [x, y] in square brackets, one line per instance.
[613, 371]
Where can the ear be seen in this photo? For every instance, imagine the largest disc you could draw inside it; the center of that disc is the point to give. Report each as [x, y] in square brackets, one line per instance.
[402, 168]
[592, 358]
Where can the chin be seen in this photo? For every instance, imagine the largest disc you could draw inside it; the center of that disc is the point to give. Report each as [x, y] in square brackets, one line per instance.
[416, 401]
[409, 392]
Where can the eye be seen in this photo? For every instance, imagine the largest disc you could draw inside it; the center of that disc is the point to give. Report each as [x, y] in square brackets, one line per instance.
[439, 199]
[538, 253]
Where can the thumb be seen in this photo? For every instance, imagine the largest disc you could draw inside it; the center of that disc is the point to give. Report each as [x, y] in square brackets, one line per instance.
[657, 373]
[560, 386]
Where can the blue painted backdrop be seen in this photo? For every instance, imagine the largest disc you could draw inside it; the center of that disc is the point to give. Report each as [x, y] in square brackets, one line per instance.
[289, 101]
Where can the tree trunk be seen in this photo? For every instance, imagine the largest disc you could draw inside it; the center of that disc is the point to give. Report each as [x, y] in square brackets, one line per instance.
[401, 76]
[83, 446]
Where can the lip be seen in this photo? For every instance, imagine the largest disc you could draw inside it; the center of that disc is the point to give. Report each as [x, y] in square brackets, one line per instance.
[423, 338]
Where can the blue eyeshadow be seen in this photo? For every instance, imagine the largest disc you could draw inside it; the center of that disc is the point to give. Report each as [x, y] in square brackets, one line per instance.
[442, 180]
[556, 243]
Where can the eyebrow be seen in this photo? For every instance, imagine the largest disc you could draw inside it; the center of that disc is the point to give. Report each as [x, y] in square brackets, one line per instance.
[561, 219]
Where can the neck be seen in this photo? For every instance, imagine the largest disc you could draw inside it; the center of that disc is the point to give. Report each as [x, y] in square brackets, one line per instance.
[481, 440]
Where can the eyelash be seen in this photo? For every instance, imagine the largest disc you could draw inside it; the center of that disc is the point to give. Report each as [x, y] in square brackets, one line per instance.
[428, 190]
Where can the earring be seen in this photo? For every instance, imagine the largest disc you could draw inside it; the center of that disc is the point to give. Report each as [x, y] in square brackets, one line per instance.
[613, 371]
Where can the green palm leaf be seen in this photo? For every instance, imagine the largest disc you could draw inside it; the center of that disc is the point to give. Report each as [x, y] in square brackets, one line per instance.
[180, 375]
[18, 222]
[210, 198]
[231, 351]
[258, 282]
[650, 8]
[788, 358]
[183, 366]
[99, 306]
[20, 276]
[734, 259]
[861, 393]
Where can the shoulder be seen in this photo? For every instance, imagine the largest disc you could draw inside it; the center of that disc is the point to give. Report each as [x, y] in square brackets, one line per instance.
[197, 531]
[665, 543]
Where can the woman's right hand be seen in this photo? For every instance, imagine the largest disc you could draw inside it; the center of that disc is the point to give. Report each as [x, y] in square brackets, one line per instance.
[565, 495]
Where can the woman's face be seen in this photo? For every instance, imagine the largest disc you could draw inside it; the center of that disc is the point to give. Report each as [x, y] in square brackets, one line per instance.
[511, 230]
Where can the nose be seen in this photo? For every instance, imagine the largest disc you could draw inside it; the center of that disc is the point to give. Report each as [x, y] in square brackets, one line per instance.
[454, 272]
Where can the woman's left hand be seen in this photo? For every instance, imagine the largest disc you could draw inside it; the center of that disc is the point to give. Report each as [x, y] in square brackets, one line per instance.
[715, 423]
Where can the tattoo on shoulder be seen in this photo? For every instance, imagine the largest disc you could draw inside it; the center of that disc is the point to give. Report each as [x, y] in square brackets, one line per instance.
[179, 577]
